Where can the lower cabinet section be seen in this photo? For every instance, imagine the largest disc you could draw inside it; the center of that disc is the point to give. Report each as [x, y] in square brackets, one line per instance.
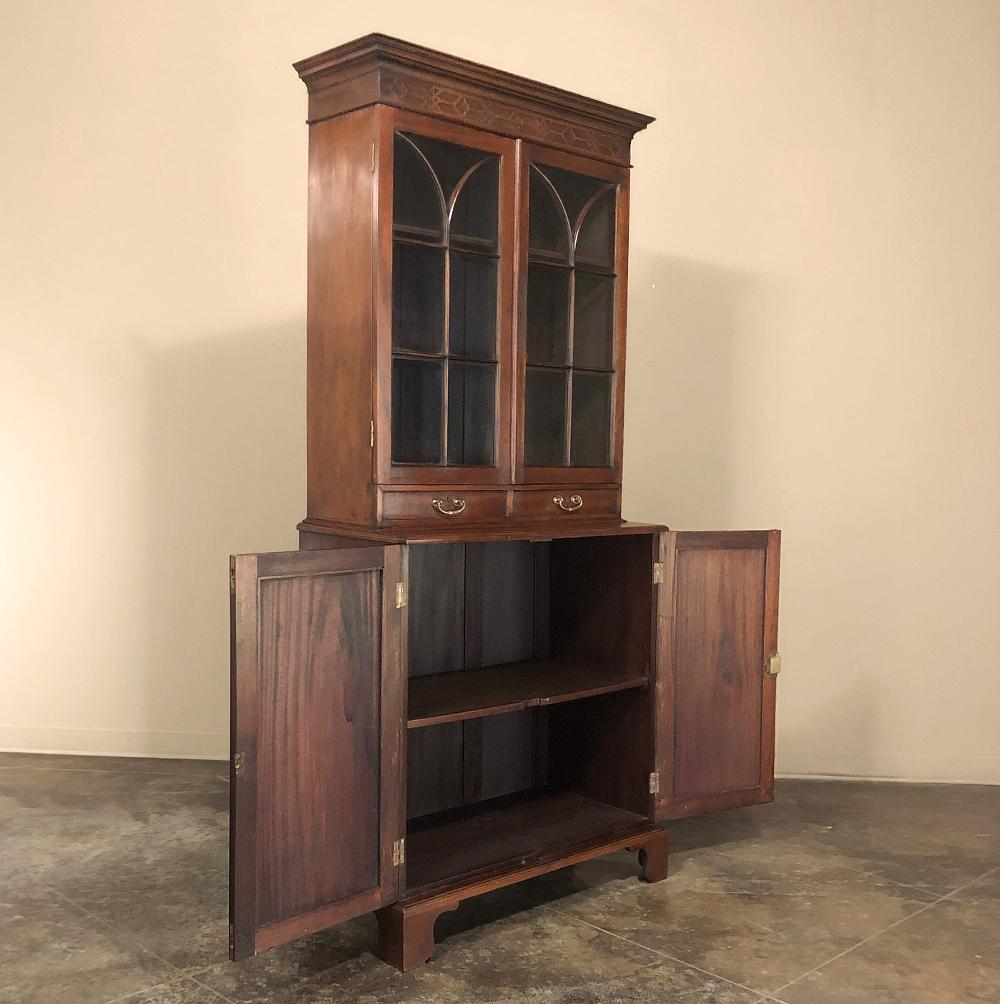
[415, 725]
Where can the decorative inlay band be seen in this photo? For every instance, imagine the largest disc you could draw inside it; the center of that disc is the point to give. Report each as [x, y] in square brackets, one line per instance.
[417, 94]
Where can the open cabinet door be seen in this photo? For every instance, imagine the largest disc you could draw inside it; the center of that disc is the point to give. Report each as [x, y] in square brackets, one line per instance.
[318, 722]
[717, 634]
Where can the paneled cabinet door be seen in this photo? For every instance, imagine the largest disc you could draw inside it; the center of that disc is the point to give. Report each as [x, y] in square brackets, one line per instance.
[717, 632]
[317, 728]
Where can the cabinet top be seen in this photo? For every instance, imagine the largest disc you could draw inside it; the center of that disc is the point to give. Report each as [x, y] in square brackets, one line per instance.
[379, 69]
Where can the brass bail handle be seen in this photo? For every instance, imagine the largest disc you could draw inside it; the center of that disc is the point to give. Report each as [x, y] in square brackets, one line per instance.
[574, 503]
[457, 506]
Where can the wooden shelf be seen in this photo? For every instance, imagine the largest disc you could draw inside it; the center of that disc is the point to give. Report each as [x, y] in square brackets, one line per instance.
[493, 690]
[514, 832]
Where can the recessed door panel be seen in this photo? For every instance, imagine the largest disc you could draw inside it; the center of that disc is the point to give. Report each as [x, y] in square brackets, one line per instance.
[718, 629]
[317, 677]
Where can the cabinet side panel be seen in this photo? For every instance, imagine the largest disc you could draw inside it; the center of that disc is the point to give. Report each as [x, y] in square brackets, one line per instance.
[341, 321]
[318, 741]
[717, 645]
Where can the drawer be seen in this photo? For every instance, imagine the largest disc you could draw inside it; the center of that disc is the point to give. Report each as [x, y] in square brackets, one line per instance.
[451, 505]
[539, 503]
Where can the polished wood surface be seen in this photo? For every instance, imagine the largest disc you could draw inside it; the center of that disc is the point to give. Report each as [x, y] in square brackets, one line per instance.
[340, 356]
[317, 661]
[445, 850]
[380, 69]
[721, 609]
[450, 697]
[577, 502]
[457, 506]
[313, 531]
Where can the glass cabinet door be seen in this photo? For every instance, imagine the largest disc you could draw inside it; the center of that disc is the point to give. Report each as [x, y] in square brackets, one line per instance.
[448, 271]
[570, 289]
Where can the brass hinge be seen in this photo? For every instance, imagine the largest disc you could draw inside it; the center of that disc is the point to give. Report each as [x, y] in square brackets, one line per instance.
[654, 783]
[373, 158]
[773, 665]
[401, 595]
[398, 852]
[657, 571]
[239, 762]
[371, 435]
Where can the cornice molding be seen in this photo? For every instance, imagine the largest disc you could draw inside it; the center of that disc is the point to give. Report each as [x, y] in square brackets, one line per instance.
[378, 69]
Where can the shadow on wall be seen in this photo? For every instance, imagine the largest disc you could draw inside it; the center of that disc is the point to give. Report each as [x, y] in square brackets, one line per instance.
[224, 473]
[685, 325]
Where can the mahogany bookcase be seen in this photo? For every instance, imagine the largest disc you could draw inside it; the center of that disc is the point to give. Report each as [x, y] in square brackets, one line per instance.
[474, 671]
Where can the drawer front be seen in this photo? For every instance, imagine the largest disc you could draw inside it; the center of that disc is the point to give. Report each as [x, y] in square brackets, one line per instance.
[566, 503]
[448, 505]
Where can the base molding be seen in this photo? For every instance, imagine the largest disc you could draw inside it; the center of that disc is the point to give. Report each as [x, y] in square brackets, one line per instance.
[907, 768]
[116, 742]
[406, 929]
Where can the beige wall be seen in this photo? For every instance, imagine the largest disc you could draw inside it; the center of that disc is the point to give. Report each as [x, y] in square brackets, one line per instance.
[815, 340]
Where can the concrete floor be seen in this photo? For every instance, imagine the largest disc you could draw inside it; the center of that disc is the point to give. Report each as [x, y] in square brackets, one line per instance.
[114, 889]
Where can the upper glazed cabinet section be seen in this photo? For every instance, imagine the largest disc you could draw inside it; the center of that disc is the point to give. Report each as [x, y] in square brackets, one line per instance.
[467, 255]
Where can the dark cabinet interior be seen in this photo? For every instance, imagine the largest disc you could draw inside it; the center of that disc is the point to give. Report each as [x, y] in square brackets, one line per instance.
[474, 671]
[498, 692]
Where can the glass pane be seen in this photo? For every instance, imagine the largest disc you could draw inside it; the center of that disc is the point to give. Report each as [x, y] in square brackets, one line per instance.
[548, 314]
[449, 161]
[474, 214]
[471, 413]
[591, 445]
[417, 298]
[473, 308]
[595, 244]
[416, 411]
[574, 189]
[593, 321]
[547, 229]
[416, 203]
[545, 418]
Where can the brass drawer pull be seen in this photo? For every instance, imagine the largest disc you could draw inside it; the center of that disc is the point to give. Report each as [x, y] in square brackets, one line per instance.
[439, 504]
[575, 502]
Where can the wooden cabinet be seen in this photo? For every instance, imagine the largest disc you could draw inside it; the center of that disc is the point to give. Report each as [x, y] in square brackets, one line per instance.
[474, 671]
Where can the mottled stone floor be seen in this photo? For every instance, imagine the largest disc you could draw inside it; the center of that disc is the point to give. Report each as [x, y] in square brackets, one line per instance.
[114, 889]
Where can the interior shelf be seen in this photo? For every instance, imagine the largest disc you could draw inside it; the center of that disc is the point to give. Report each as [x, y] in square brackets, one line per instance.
[518, 831]
[493, 690]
